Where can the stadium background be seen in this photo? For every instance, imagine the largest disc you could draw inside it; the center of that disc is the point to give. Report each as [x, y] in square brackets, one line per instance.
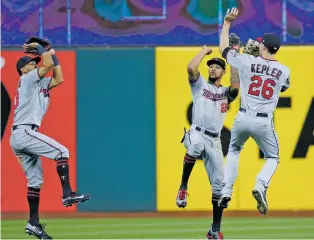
[125, 101]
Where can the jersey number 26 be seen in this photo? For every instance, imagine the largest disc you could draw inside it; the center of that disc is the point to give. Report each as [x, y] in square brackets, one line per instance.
[267, 89]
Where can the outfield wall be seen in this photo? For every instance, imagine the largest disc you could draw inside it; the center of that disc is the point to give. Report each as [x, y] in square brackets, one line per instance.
[121, 113]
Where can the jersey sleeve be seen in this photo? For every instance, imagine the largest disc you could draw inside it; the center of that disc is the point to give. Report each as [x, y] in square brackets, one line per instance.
[196, 85]
[235, 59]
[46, 81]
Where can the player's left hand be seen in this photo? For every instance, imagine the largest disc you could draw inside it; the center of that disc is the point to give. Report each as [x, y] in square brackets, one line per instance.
[251, 48]
[52, 51]
[30, 46]
[231, 15]
[207, 50]
[234, 42]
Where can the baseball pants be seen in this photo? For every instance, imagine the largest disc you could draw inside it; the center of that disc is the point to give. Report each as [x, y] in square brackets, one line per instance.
[199, 144]
[28, 146]
[261, 129]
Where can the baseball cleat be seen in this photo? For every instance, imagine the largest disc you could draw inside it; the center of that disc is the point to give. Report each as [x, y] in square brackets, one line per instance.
[224, 200]
[182, 198]
[214, 235]
[37, 231]
[74, 198]
[260, 198]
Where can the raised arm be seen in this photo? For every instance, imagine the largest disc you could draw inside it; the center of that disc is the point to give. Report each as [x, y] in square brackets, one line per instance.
[195, 62]
[224, 36]
[57, 77]
[233, 58]
[234, 85]
[234, 78]
[234, 43]
[47, 64]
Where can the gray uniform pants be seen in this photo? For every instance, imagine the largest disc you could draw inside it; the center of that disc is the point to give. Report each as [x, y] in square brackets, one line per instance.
[261, 129]
[28, 146]
[197, 143]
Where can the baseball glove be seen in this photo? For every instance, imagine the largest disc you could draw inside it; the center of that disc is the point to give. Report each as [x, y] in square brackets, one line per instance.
[46, 44]
[251, 48]
[234, 42]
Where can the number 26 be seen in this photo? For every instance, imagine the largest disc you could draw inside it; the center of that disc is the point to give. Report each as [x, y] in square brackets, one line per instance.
[267, 89]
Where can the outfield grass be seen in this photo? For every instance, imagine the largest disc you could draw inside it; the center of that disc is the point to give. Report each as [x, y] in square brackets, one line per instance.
[191, 228]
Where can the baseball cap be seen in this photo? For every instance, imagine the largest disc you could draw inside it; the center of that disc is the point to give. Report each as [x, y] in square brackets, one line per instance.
[25, 60]
[271, 41]
[217, 61]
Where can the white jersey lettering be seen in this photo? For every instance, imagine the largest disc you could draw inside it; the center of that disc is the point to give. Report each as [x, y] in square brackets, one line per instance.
[210, 104]
[261, 81]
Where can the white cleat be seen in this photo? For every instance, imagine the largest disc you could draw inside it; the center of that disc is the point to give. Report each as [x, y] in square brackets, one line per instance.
[260, 198]
[224, 200]
[182, 198]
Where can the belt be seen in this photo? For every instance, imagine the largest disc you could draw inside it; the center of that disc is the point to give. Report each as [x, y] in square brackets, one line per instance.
[257, 114]
[214, 135]
[18, 126]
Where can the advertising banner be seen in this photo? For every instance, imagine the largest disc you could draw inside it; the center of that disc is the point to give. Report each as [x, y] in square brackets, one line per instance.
[293, 121]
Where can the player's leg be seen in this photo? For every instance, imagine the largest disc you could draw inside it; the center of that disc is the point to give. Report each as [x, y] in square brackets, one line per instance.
[31, 164]
[32, 167]
[193, 142]
[267, 140]
[214, 165]
[43, 145]
[239, 136]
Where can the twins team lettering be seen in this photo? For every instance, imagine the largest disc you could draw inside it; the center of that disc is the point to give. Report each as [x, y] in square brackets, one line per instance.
[214, 96]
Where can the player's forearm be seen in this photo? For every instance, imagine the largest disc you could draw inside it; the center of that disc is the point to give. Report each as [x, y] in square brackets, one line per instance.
[47, 60]
[196, 61]
[234, 78]
[224, 37]
[57, 71]
[46, 66]
[58, 75]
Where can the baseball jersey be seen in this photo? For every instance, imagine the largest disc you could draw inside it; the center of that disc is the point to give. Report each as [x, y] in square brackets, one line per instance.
[32, 99]
[210, 104]
[261, 81]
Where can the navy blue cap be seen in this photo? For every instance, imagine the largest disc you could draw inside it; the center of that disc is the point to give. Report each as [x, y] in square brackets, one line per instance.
[25, 60]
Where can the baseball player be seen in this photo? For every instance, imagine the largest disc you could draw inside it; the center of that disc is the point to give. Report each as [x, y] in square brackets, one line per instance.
[210, 104]
[262, 79]
[27, 143]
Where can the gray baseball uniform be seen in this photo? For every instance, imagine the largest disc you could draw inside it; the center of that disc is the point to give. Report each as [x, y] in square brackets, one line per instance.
[210, 105]
[31, 104]
[261, 82]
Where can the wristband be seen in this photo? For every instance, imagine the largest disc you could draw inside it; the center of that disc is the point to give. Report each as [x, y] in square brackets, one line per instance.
[40, 49]
[55, 60]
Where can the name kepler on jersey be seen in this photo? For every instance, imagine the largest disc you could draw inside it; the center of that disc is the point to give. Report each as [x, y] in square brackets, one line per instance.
[266, 70]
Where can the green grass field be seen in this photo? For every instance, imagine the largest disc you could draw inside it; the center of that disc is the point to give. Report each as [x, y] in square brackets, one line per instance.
[188, 228]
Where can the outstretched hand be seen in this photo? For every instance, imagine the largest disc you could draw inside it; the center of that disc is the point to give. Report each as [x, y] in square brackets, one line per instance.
[29, 46]
[207, 50]
[231, 14]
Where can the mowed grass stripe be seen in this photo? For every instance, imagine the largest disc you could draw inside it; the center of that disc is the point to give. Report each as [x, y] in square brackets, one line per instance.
[166, 224]
[75, 225]
[197, 228]
[162, 232]
[162, 220]
[272, 235]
